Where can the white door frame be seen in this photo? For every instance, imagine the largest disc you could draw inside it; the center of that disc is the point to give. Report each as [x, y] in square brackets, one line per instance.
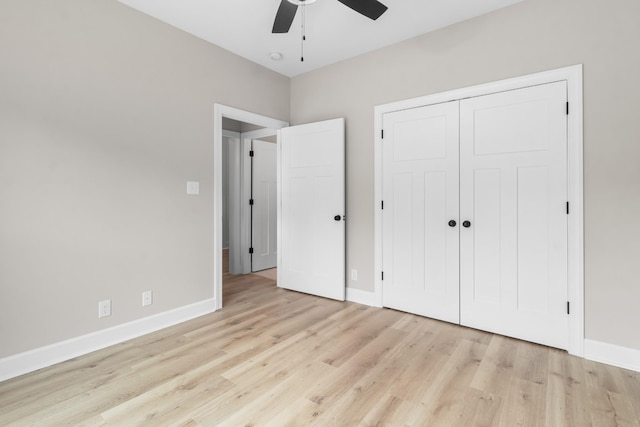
[573, 76]
[219, 112]
[234, 209]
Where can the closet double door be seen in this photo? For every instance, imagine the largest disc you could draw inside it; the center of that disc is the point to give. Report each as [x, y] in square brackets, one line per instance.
[475, 212]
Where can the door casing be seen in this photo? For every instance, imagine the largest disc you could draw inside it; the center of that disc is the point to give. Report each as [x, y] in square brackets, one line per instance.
[234, 201]
[573, 76]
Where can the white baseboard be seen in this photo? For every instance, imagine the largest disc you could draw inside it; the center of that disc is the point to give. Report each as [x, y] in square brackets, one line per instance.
[42, 357]
[362, 297]
[622, 357]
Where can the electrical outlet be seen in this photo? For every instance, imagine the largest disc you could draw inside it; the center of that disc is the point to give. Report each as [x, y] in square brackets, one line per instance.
[354, 274]
[104, 308]
[147, 298]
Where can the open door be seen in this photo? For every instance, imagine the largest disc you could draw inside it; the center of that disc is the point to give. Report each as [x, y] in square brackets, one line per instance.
[263, 205]
[311, 218]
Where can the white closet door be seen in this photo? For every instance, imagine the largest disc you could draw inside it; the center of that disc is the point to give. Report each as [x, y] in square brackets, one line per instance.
[420, 193]
[263, 210]
[513, 191]
[311, 197]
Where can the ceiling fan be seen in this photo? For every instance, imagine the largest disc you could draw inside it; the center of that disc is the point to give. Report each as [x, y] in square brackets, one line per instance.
[287, 11]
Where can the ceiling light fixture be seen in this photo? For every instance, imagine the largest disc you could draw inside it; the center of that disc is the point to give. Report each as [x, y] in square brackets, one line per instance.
[275, 56]
[301, 2]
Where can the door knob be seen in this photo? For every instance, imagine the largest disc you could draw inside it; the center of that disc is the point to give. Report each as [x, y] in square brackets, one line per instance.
[452, 223]
[466, 224]
[337, 217]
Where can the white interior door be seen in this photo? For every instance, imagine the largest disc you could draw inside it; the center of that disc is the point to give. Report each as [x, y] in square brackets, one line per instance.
[263, 209]
[311, 201]
[420, 214]
[513, 192]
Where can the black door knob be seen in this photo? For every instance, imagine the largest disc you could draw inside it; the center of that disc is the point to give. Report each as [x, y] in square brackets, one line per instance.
[337, 217]
[452, 223]
[466, 224]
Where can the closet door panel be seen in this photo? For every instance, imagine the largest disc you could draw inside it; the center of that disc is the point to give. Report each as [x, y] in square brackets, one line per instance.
[420, 193]
[513, 191]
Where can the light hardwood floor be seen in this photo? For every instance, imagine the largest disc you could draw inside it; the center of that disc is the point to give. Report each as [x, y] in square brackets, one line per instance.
[277, 358]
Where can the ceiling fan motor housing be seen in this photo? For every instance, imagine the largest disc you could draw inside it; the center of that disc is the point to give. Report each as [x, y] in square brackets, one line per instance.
[372, 9]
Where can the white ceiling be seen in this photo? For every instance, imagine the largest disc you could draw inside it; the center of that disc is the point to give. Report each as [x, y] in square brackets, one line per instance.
[333, 31]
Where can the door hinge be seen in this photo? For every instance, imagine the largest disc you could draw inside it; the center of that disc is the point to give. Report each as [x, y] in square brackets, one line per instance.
[382, 204]
[567, 208]
[250, 250]
[382, 275]
[382, 133]
[568, 308]
[250, 202]
[251, 153]
[567, 108]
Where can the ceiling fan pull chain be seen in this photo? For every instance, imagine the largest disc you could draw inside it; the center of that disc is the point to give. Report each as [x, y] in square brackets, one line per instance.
[302, 30]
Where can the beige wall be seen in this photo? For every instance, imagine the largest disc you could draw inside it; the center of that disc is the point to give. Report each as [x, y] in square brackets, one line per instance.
[105, 114]
[532, 36]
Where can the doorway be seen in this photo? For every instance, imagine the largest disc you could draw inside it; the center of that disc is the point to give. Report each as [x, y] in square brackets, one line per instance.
[257, 121]
[249, 197]
[249, 229]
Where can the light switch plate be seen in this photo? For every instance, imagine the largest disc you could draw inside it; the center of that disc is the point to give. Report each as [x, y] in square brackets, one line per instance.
[193, 188]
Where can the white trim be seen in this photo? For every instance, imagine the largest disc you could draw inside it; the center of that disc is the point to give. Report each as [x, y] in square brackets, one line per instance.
[220, 111]
[573, 76]
[235, 208]
[615, 355]
[362, 297]
[575, 232]
[42, 357]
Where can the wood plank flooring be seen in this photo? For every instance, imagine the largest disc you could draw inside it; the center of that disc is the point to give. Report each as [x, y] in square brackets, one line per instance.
[278, 358]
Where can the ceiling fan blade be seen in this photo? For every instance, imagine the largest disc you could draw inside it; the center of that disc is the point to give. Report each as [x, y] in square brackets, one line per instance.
[284, 17]
[370, 8]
